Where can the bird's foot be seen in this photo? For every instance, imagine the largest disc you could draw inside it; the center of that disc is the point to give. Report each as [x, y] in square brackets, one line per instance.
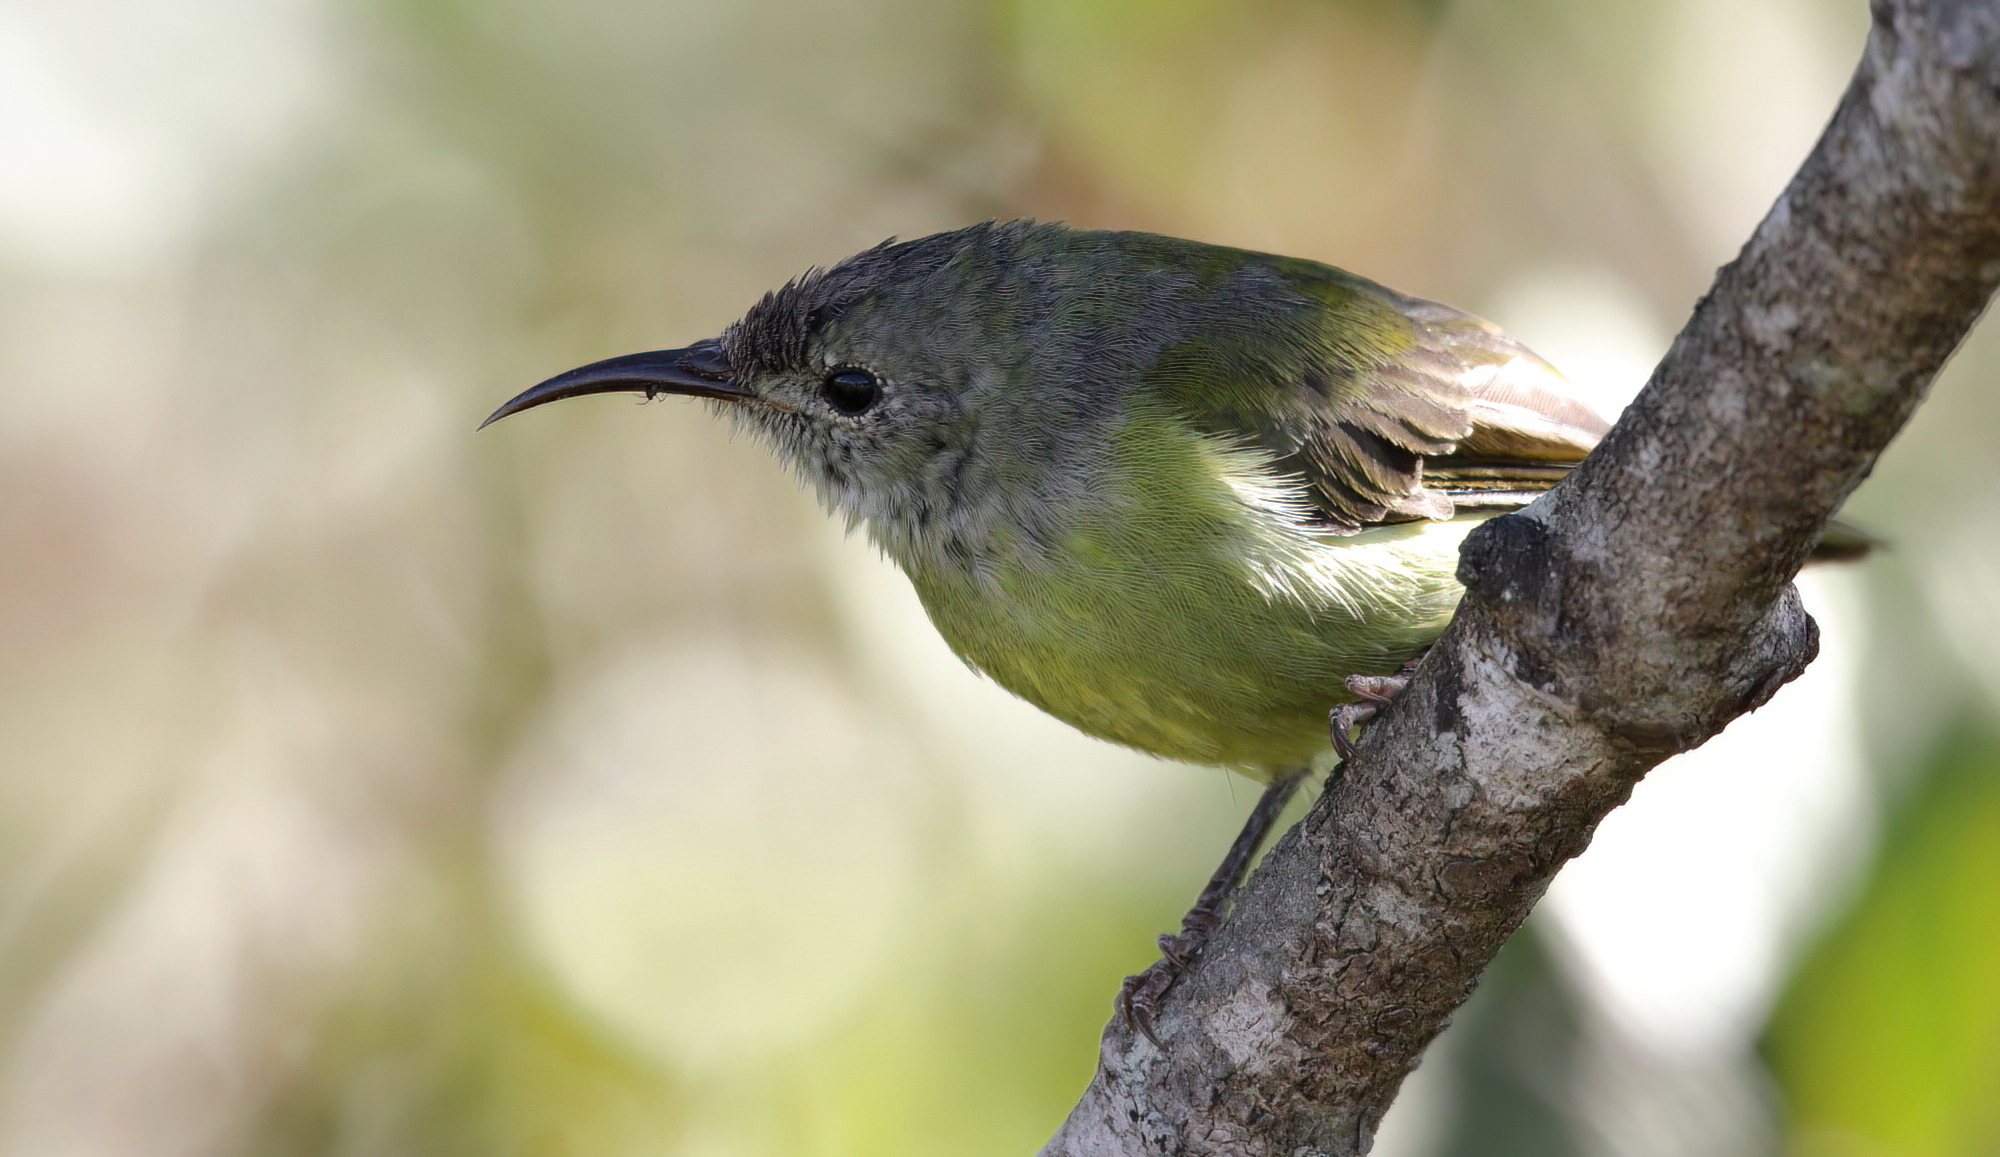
[1371, 694]
[1139, 999]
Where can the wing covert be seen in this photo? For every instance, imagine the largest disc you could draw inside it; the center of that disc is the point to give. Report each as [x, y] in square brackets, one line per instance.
[1390, 408]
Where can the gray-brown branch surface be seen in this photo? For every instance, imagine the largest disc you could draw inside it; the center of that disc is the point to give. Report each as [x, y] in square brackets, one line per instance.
[1629, 615]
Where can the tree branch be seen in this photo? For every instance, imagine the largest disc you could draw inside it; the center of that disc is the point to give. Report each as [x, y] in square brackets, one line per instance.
[1628, 615]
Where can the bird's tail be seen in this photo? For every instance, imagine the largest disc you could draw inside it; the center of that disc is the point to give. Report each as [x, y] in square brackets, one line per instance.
[1844, 542]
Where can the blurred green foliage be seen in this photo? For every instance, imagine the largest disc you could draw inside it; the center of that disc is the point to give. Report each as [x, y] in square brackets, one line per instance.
[1888, 1041]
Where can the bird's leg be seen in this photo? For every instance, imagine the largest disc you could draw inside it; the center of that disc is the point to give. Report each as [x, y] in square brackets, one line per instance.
[1371, 694]
[1139, 1000]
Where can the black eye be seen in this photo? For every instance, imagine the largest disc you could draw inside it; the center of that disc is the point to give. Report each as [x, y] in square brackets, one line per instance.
[850, 391]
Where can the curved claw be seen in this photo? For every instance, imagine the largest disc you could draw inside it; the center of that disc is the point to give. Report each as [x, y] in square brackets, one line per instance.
[1372, 693]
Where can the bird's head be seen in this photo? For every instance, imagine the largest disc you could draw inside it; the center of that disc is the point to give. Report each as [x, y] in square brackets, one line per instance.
[922, 387]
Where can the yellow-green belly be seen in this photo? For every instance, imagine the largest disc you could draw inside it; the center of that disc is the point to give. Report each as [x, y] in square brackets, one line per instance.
[1203, 639]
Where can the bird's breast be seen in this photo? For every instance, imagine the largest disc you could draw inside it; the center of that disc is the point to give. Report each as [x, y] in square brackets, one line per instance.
[1177, 616]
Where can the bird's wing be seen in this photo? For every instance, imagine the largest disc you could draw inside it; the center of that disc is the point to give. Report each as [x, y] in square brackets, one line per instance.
[1530, 425]
[1389, 407]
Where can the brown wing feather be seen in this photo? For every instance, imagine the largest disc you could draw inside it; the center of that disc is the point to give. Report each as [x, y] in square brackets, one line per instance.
[1520, 424]
[1389, 408]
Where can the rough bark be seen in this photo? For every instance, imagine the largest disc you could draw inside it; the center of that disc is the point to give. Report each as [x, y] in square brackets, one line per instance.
[1629, 615]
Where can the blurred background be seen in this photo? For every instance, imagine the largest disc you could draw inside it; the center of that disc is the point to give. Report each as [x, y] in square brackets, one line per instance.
[368, 787]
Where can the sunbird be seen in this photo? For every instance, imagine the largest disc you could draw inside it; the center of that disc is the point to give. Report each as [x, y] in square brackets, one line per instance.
[1183, 497]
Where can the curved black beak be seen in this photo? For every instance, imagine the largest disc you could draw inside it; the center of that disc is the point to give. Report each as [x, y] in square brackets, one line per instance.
[699, 371]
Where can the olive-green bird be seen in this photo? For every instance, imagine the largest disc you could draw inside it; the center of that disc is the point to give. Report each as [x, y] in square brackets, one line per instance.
[1173, 494]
